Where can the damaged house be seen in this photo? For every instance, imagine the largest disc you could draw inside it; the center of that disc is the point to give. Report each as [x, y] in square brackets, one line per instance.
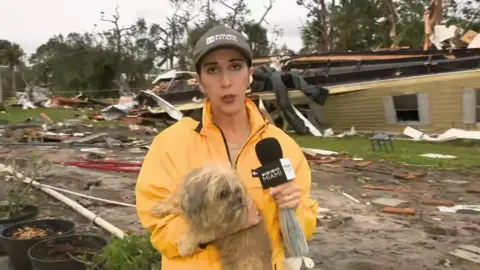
[432, 103]
[389, 90]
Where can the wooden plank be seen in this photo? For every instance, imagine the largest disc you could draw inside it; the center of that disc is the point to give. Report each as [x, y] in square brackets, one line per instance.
[467, 256]
[470, 248]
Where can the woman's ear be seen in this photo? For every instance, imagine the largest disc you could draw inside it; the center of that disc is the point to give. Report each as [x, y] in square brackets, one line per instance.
[200, 84]
[250, 77]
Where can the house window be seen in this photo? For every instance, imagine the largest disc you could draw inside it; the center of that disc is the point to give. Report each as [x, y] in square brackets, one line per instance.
[406, 108]
[410, 109]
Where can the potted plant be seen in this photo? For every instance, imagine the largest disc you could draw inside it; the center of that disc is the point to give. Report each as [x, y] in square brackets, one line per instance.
[18, 238]
[72, 252]
[134, 251]
[17, 207]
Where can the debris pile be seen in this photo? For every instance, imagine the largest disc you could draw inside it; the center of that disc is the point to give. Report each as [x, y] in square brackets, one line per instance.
[73, 132]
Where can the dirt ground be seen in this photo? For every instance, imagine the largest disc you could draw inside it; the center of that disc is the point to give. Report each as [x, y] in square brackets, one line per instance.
[349, 236]
[359, 236]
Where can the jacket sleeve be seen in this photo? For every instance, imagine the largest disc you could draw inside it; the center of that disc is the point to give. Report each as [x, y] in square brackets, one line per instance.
[308, 208]
[157, 179]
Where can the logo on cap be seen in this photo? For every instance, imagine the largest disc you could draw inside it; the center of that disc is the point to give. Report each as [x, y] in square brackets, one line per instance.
[214, 38]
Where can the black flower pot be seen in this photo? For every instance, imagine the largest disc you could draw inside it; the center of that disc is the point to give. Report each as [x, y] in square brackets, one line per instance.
[71, 252]
[29, 212]
[17, 244]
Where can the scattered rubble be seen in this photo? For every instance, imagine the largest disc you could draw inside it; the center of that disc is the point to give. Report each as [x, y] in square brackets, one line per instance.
[469, 254]
[389, 202]
[396, 207]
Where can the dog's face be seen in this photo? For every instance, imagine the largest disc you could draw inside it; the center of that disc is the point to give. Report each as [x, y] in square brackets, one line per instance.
[214, 198]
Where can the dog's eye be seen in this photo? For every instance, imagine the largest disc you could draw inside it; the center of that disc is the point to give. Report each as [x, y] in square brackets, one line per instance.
[223, 194]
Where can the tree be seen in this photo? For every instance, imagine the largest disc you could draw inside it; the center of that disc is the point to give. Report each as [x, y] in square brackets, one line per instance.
[237, 18]
[318, 28]
[11, 55]
[115, 36]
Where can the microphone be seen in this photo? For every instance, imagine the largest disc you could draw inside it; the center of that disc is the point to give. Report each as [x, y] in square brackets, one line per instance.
[275, 169]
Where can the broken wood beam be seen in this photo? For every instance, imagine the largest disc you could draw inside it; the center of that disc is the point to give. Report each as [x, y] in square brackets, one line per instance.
[438, 203]
[399, 211]
[473, 191]
[398, 189]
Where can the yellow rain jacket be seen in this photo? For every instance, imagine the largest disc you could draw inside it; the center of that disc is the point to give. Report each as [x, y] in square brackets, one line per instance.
[188, 144]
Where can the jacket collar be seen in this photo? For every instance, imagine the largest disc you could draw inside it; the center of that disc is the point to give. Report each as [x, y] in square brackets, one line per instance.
[257, 120]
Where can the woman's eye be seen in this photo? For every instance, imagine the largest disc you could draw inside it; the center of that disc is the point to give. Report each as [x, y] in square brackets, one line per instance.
[211, 70]
[236, 66]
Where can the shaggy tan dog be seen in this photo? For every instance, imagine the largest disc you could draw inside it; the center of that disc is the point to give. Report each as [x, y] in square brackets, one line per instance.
[216, 204]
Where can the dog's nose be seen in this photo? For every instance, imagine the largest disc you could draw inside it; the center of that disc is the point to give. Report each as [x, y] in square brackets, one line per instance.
[240, 199]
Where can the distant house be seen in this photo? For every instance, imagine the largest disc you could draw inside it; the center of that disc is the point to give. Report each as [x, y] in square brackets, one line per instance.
[432, 103]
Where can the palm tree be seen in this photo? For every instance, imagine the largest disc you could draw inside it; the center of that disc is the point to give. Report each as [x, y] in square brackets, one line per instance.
[11, 55]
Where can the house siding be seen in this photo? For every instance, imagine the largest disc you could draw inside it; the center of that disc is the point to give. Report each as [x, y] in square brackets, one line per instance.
[365, 111]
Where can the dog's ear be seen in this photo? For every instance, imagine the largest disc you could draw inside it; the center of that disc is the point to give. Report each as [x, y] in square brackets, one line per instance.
[195, 199]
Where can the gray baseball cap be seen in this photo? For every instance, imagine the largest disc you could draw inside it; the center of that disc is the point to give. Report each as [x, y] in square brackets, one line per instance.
[221, 36]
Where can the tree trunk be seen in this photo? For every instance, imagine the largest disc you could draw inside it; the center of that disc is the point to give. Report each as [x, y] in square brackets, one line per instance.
[14, 82]
[1, 89]
[323, 18]
[391, 15]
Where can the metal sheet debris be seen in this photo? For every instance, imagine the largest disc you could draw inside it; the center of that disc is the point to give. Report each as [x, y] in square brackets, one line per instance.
[460, 208]
[449, 135]
[314, 152]
[438, 156]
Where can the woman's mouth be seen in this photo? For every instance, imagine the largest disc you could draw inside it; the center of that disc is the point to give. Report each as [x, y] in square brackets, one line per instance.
[228, 99]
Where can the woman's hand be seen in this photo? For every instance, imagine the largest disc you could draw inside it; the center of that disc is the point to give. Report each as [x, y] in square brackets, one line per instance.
[287, 195]
[253, 216]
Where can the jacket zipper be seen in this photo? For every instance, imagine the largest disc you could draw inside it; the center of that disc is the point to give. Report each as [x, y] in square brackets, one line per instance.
[241, 149]
[239, 152]
[226, 146]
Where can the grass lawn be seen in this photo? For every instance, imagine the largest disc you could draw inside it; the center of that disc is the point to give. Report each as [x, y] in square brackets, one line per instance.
[15, 115]
[467, 153]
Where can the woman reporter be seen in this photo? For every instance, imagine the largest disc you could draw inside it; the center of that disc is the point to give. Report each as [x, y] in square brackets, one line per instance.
[230, 127]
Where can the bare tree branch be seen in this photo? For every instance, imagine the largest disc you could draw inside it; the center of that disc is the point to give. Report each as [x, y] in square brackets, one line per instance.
[227, 5]
[235, 9]
[268, 8]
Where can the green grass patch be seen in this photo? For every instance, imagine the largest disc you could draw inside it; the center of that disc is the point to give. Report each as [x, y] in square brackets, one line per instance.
[467, 152]
[15, 115]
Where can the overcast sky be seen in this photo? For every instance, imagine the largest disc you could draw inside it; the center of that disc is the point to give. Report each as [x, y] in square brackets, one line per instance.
[31, 22]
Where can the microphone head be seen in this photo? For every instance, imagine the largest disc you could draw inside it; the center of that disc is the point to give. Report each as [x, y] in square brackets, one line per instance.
[268, 150]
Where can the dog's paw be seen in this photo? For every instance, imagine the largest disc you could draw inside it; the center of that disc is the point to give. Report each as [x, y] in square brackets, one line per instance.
[186, 247]
[162, 209]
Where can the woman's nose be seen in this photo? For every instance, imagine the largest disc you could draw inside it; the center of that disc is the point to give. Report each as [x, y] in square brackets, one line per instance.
[226, 81]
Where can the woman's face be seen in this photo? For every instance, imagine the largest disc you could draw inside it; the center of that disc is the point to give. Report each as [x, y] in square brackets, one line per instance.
[224, 78]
